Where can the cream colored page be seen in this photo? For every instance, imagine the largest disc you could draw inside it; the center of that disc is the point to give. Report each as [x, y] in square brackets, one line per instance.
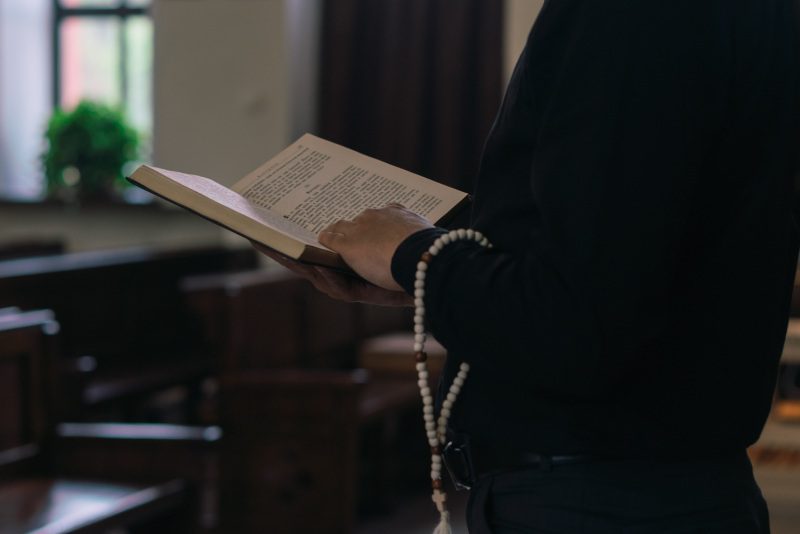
[222, 195]
[315, 183]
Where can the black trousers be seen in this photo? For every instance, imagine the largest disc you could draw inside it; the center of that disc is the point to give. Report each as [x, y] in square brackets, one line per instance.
[713, 496]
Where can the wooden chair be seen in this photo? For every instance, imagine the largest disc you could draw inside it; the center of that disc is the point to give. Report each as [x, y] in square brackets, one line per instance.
[126, 333]
[81, 477]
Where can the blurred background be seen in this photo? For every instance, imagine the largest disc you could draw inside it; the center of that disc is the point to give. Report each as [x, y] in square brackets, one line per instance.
[155, 374]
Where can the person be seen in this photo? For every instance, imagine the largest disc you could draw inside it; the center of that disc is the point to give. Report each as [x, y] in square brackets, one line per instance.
[625, 328]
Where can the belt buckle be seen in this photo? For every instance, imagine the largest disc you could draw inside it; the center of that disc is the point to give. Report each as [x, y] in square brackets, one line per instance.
[458, 460]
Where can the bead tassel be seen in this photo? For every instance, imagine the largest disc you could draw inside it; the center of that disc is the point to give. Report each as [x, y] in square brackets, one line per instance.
[435, 428]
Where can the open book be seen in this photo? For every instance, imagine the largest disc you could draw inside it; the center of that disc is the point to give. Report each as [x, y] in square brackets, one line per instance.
[288, 200]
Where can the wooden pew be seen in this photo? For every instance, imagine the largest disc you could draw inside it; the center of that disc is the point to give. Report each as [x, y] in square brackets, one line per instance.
[274, 325]
[84, 478]
[291, 450]
[126, 334]
[271, 318]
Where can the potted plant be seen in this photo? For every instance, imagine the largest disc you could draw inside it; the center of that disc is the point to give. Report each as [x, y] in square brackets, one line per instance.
[87, 149]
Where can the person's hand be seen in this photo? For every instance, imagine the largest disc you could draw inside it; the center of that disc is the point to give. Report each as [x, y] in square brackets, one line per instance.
[368, 242]
[337, 285]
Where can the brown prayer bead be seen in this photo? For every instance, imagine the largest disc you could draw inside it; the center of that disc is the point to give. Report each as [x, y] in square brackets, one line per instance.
[436, 450]
[427, 257]
[421, 356]
[436, 483]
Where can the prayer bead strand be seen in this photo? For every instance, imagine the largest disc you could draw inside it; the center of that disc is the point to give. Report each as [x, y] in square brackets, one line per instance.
[435, 429]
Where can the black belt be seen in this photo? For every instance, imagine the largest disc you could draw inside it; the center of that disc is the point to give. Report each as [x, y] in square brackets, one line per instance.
[466, 464]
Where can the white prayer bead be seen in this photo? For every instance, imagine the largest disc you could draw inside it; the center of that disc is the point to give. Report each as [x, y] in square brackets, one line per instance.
[436, 429]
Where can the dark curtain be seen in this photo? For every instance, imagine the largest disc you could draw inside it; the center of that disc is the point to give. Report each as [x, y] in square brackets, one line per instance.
[415, 83]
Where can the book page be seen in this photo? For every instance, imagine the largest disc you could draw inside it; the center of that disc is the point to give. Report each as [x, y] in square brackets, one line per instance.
[314, 183]
[222, 195]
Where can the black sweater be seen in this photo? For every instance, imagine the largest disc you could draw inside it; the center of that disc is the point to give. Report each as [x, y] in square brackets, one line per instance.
[637, 187]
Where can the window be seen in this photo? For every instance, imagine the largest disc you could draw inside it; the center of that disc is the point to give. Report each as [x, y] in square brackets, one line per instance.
[74, 49]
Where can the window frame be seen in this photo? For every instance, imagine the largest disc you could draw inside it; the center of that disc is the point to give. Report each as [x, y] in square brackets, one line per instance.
[122, 11]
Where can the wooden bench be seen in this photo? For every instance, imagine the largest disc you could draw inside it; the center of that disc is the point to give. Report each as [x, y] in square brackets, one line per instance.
[273, 325]
[84, 478]
[126, 333]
